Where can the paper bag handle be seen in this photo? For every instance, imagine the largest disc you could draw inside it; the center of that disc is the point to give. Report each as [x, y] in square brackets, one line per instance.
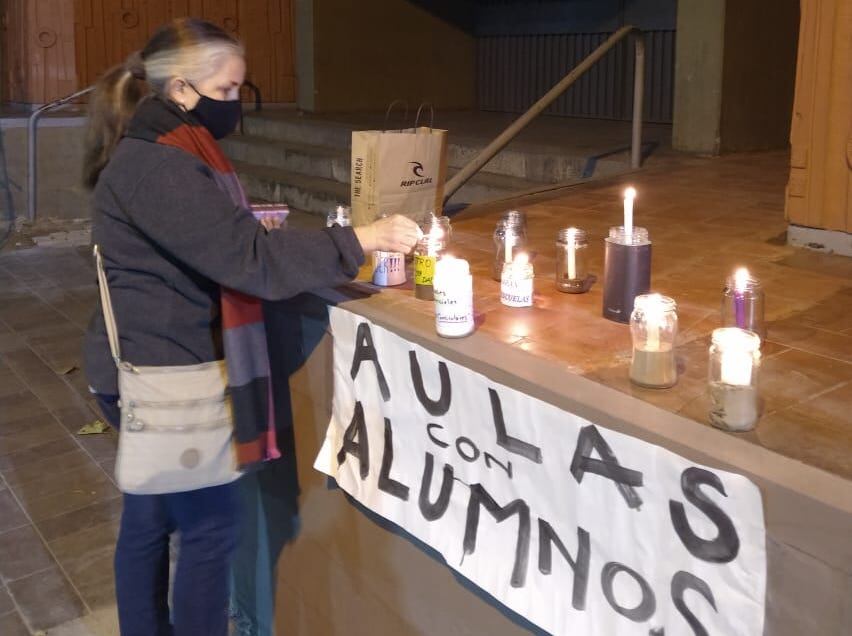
[431, 110]
[390, 108]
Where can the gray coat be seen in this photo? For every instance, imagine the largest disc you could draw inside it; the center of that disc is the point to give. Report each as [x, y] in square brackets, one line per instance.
[170, 238]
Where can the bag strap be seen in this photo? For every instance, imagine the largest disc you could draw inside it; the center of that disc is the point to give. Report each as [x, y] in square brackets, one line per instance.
[106, 304]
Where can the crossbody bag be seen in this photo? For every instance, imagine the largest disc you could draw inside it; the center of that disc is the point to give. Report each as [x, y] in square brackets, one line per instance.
[176, 421]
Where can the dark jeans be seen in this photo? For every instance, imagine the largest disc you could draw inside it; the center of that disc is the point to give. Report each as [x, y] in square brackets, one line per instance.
[206, 521]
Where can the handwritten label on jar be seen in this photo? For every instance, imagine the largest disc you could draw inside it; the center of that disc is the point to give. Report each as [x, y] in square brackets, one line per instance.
[388, 268]
[516, 292]
[424, 269]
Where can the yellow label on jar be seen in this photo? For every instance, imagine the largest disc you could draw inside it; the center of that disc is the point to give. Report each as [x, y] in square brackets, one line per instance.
[424, 269]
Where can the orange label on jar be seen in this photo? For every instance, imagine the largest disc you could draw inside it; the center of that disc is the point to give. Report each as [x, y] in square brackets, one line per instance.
[424, 269]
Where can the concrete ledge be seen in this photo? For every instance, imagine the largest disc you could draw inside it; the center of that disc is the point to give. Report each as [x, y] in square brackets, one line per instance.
[828, 241]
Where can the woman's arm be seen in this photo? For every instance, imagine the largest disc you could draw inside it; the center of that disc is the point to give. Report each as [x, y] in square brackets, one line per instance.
[179, 207]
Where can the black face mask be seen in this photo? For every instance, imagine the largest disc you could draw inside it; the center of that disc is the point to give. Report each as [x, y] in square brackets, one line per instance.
[218, 116]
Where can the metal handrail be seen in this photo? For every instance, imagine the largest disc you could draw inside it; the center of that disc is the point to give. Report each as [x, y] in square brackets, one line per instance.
[503, 139]
[32, 127]
[32, 130]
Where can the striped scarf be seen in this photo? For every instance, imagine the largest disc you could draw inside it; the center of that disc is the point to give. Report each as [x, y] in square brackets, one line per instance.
[243, 324]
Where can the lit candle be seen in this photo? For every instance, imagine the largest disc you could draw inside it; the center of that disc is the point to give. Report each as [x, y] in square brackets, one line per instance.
[516, 283]
[741, 278]
[508, 244]
[572, 253]
[629, 196]
[653, 318]
[735, 354]
[453, 286]
[653, 325]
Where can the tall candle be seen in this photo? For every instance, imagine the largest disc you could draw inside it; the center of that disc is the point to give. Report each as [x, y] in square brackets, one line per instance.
[741, 278]
[629, 196]
[572, 253]
[508, 243]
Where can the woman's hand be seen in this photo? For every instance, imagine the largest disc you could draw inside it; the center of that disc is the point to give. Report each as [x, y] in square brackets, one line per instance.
[392, 234]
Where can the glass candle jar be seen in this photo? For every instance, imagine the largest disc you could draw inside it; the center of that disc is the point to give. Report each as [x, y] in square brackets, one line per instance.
[516, 282]
[388, 268]
[571, 255]
[453, 286]
[653, 326]
[743, 303]
[733, 375]
[436, 236]
[513, 225]
[342, 216]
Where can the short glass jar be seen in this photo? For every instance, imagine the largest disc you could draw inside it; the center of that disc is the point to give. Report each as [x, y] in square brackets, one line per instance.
[572, 248]
[733, 377]
[653, 327]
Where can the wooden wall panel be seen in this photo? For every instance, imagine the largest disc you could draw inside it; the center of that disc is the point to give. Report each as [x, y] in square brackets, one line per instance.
[109, 30]
[819, 191]
[38, 50]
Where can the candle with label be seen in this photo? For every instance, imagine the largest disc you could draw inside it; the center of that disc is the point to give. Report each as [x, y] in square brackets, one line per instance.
[426, 253]
[388, 268]
[653, 326]
[516, 283]
[734, 364]
[453, 286]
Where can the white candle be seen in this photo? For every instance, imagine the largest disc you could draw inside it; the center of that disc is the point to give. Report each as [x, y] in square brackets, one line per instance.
[736, 367]
[453, 286]
[433, 238]
[653, 319]
[508, 244]
[629, 196]
[572, 253]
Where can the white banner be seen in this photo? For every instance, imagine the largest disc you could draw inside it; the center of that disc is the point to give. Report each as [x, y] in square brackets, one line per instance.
[580, 529]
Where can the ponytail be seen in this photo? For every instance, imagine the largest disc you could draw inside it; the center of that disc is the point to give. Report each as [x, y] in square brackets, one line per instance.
[112, 105]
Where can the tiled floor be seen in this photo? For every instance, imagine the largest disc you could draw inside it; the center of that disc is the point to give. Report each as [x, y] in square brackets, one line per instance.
[59, 507]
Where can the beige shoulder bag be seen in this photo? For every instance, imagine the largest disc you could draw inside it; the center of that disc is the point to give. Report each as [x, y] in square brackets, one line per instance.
[176, 421]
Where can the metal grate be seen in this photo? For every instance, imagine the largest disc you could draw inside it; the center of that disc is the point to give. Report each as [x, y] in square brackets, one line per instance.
[515, 70]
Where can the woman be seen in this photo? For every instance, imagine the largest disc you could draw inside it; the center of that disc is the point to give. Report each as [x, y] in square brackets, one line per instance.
[173, 226]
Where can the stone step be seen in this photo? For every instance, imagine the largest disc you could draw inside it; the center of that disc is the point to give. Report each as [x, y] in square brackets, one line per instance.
[300, 136]
[319, 195]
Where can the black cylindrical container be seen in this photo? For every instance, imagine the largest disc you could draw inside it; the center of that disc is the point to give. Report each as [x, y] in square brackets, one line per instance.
[627, 272]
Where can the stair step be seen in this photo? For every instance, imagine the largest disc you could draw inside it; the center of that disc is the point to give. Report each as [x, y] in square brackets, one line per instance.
[318, 195]
[302, 192]
[310, 160]
[299, 135]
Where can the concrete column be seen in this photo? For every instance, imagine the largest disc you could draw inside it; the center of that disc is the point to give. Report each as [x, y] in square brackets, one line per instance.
[734, 74]
[699, 60]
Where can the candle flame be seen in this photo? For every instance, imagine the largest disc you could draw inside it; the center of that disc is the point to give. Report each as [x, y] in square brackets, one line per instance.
[741, 278]
[630, 193]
